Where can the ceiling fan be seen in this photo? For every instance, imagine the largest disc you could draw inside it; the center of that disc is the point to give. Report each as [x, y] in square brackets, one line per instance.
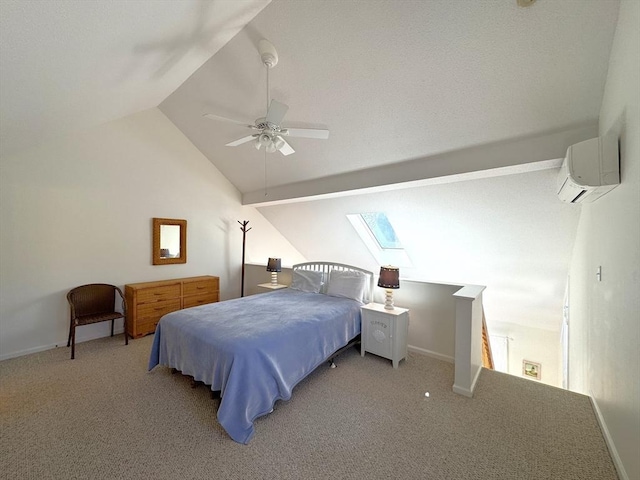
[269, 133]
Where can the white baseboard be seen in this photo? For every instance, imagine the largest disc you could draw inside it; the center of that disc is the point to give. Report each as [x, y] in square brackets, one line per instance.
[617, 462]
[462, 391]
[429, 353]
[28, 351]
[468, 392]
[42, 348]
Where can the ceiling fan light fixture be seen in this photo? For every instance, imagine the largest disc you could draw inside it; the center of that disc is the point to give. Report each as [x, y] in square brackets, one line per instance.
[278, 143]
[270, 134]
[264, 139]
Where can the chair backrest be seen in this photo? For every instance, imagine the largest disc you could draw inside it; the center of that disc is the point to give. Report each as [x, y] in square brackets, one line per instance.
[92, 299]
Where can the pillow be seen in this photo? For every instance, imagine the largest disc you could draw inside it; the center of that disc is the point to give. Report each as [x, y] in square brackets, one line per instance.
[306, 281]
[352, 285]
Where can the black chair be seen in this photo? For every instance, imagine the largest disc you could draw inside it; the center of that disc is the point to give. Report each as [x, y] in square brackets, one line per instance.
[94, 303]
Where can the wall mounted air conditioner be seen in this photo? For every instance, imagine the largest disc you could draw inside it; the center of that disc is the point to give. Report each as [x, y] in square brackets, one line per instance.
[590, 169]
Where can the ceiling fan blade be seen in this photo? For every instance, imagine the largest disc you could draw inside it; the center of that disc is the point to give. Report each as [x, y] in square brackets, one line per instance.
[242, 140]
[276, 112]
[286, 148]
[307, 133]
[211, 116]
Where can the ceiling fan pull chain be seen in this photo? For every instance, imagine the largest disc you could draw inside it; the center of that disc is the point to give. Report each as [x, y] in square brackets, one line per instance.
[265, 174]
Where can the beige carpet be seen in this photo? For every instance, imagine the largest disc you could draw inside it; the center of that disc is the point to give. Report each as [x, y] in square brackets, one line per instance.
[103, 416]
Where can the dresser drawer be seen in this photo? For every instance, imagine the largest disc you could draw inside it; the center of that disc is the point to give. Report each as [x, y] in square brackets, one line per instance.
[153, 311]
[145, 328]
[157, 294]
[200, 287]
[195, 300]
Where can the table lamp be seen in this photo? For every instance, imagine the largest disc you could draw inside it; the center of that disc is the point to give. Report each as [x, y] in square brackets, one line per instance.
[274, 265]
[389, 280]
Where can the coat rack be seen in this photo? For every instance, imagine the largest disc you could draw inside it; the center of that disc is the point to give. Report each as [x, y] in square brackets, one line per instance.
[244, 237]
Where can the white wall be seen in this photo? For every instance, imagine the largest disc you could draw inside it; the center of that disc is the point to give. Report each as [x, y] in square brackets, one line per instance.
[509, 233]
[432, 316]
[535, 345]
[256, 274]
[79, 210]
[605, 316]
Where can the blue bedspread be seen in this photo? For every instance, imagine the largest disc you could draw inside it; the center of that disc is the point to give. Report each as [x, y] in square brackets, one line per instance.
[254, 349]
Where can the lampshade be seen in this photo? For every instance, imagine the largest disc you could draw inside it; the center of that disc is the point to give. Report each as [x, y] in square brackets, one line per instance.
[264, 139]
[389, 277]
[271, 143]
[278, 143]
[274, 265]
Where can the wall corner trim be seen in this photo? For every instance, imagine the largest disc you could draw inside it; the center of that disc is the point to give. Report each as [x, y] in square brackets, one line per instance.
[468, 339]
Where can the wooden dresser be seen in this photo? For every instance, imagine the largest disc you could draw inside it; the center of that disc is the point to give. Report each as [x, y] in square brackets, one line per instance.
[148, 301]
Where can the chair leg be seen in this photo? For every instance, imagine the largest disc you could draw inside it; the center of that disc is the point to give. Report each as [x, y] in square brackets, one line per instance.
[112, 327]
[126, 334]
[73, 341]
[70, 327]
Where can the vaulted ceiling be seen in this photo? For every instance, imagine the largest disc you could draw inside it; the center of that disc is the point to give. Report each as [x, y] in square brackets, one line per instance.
[67, 65]
[400, 81]
[412, 92]
[395, 82]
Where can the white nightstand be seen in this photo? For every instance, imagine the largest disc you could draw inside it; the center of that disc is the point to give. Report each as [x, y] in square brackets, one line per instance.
[267, 287]
[384, 332]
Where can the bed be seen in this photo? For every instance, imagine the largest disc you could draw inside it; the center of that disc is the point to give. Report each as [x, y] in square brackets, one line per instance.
[254, 350]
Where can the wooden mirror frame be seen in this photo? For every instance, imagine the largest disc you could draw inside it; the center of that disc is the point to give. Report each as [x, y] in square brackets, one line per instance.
[155, 250]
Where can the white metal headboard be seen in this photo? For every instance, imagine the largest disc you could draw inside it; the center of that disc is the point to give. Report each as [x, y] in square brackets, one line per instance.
[326, 267]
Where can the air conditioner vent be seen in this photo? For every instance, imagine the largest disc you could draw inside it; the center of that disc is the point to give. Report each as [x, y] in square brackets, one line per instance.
[590, 169]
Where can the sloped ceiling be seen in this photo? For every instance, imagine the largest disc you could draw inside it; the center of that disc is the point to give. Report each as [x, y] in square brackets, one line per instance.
[66, 65]
[400, 81]
[395, 81]
[509, 233]
[411, 90]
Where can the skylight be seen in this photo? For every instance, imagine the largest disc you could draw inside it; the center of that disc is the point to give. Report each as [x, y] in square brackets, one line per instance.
[380, 238]
[381, 229]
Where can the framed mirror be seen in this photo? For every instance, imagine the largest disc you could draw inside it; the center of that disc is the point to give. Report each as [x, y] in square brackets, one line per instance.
[169, 241]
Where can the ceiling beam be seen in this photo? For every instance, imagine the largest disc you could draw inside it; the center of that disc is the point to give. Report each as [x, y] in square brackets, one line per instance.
[517, 155]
